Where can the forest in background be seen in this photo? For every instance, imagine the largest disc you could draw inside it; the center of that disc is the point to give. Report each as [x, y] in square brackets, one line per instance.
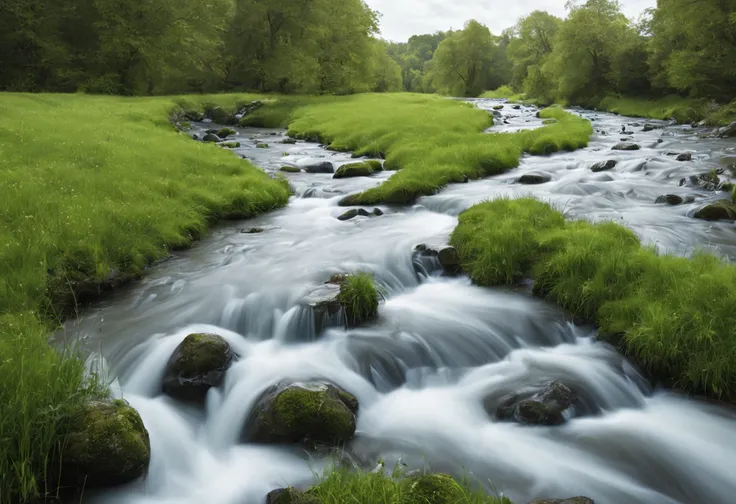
[134, 47]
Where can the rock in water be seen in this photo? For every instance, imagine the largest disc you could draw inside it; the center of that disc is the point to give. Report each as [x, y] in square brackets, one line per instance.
[685, 156]
[569, 500]
[626, 146]
[670, 199]
[107, 444]
[604, 165]
[289, 141]
[721, 210]
[534, 178]
[198, 364]
[728, 131]
[516, 107]
[354, 170]
[211, 137]
[310, 413]
[351, 214]
[647, 128]
[320, 167]
[542, 408]
[447, 256]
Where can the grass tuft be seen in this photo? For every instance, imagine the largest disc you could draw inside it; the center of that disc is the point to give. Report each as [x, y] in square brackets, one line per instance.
[673, 315]
[359, 296]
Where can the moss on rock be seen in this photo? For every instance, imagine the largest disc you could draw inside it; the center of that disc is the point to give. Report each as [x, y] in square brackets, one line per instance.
[434, 489]
[722, 210]
[375, 164]
[290, 169]
[310, 413]
[354, 170]
[359, 298]
[198, 364]
[107, 444]
[225, 132]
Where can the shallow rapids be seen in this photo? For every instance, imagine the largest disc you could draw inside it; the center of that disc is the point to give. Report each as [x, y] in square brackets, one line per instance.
[442, 350]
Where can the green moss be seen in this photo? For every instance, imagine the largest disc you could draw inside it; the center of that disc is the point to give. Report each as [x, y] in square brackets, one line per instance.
[290, 169]
[354, 170]
[107, 444]
[359, 298]
[683, 110]
[262, 146]
[226, 132]
[721, 210]
[230, 145]
[674, 316]
[375, 164]
[201, 353]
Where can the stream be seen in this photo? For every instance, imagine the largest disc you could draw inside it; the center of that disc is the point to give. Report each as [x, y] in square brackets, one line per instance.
[440, 347]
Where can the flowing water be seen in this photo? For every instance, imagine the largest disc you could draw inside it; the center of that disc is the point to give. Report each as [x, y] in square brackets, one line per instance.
[440, 348]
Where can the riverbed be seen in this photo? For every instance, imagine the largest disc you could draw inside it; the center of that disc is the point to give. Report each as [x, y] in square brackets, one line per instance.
[440, 347]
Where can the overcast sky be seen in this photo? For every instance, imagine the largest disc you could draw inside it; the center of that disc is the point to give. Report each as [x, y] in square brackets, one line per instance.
[403, 18]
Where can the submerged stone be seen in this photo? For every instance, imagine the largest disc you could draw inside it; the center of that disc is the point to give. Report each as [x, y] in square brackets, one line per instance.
[308, 413]
[516, 107]
[604, 165]
[320, 167]
[545, 407]
[198, 364]
[670, 199]
[685, 156]
[253, 230]
[107, 444]
[626, 146]
[534, 178]
[447, 256]
[351, 214]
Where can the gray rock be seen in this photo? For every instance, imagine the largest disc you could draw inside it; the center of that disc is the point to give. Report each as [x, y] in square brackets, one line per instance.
[626, 146]
[648, 127]
[728, 131]
[320, 167]
[447, 256]
[685, 156]
[354, 212]
[545, 407]
[670, 199]
[211, 137]
[534, 178]
[604, 166]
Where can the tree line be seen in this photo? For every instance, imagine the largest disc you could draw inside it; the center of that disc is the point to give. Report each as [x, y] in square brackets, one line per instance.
[135, 47]
[681, 46]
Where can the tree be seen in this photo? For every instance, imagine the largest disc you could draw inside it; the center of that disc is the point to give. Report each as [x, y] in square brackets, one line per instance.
[461, 64]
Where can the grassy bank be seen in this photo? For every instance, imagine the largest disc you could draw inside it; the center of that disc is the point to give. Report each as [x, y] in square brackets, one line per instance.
[341, 486]
[433, 141]
[94, 190]
[673, 315]
[683, 110]
[503, 93]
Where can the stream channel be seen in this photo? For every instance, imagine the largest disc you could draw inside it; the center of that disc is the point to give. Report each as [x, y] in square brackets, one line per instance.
[440, 346]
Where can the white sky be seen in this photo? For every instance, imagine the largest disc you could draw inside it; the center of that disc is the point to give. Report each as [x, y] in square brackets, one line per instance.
[404, 18]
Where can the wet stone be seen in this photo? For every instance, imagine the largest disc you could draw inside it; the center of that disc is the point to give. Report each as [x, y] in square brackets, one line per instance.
[685, 156]
[320, 167]
[626, 146]
[670, 199]
[604, 166]
[211, 138]
[354, 212]
[545, 407]
[721, 210]
[534, 178]
[198, 364]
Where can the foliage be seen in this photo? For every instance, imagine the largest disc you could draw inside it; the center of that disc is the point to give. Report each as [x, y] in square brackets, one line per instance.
[95, 188]
[503, 92]
[665, 108]
[359, 297]
[411, 132]
[675, 315]
[413, 57]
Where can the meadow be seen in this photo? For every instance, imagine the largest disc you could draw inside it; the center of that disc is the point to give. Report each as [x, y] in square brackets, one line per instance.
[674, 316]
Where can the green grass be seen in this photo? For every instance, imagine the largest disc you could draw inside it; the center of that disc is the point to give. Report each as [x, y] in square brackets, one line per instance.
[342, 486]
[504, 92]
[94, 190]
[432, 141]
[674, 316]
[684, 110]
[359, 297]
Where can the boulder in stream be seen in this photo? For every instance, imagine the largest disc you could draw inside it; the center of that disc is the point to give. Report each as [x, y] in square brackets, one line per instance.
[545, 407]
[670, 199]
[728, 131]
[721, 210]
[626, 146]
[569, 500]
[447, 256]
[354, 170]
[320, 167]
[310, 413]
[685, 156]
[534, 178]
[516, 107]
[498, 107]
[289, 141]
[647, 128]
[198, 364]
[707, 181]
[211, 137]
[352, 213]
[106, 445]
[604, 165]
[225, 132]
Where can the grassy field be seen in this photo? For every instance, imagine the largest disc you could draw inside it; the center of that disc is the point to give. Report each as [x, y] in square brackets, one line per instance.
[94, 190]
[504, 92]
[673, 315]
[432, 141]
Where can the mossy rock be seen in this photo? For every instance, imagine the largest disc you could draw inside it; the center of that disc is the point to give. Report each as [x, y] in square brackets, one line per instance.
[211, 138]
[290, 169]
[262, 146]
[231, 145]
[722, 210]
[434, 489]
[107, 444]
[225, 132]
[354, 170]
[626, 146]
[350, 200]
[670, 199]
[309, 413]
[198, 364]
[375, 164]
[358, 297]
[219, 115]
[569, 500]
[498, 107]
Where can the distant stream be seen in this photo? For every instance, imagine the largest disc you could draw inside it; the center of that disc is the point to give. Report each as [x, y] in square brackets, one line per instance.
[440, 347]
